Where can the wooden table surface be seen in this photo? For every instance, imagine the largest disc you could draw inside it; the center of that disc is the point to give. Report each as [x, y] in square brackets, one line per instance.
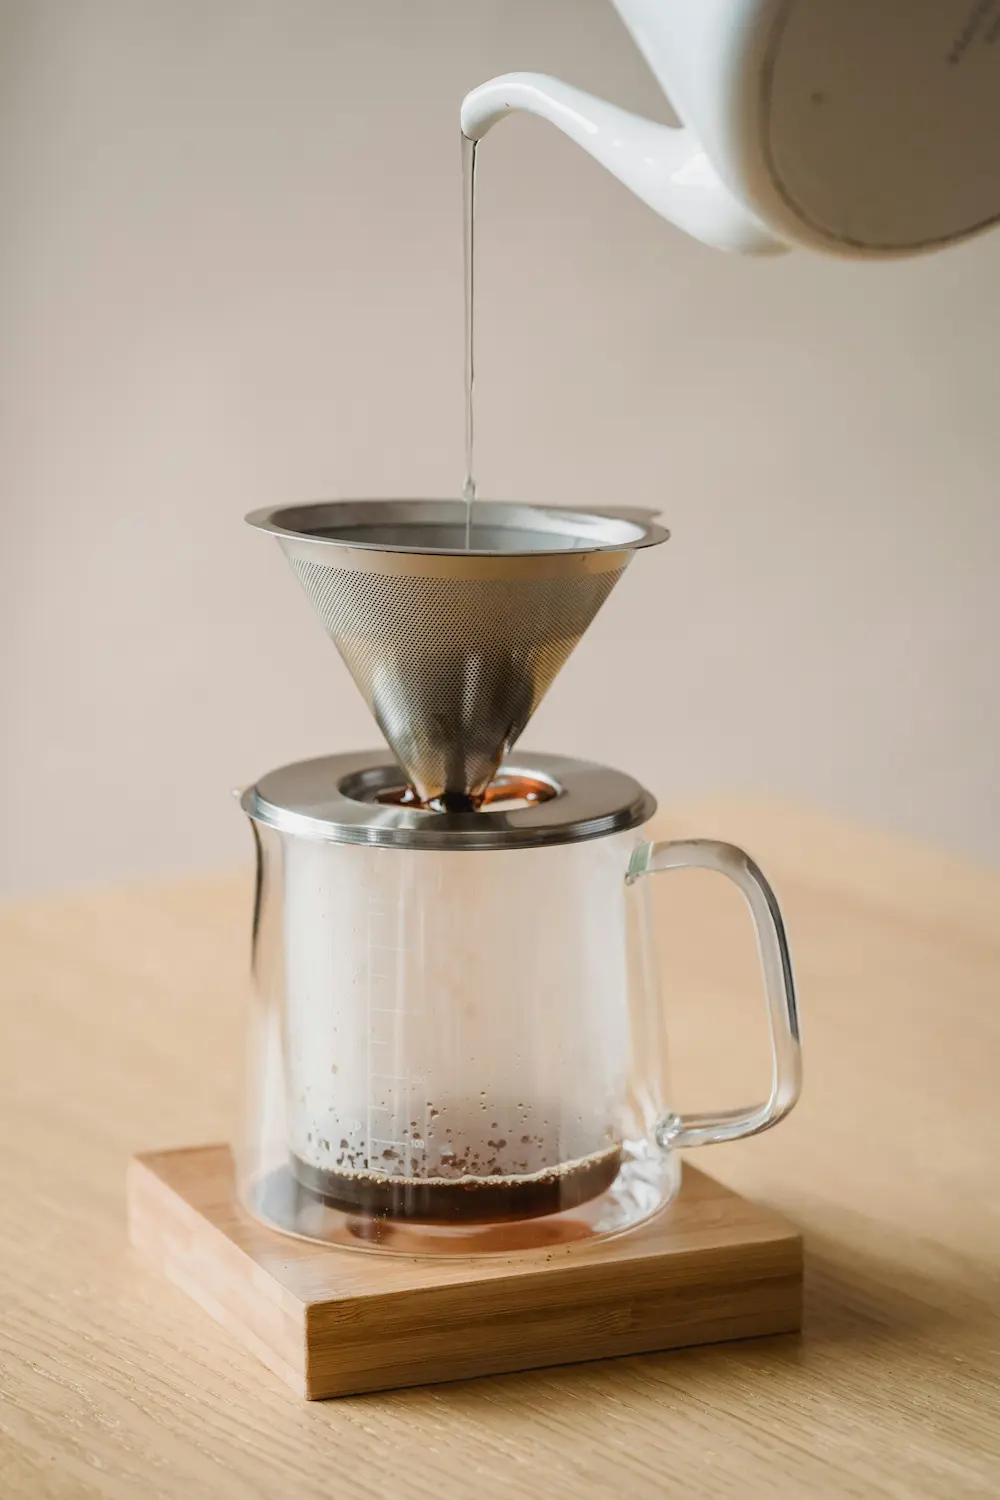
[122, 1028]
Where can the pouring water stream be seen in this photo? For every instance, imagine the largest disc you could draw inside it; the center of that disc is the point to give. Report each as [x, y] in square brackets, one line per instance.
[469, 245]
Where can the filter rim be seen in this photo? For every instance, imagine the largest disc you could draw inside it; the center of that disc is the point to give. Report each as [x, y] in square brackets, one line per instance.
[614, 530]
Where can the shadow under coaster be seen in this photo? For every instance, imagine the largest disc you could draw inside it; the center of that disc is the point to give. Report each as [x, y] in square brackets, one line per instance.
[333, 1322]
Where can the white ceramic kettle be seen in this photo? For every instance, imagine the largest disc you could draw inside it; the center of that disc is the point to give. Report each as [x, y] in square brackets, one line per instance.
[862, 127]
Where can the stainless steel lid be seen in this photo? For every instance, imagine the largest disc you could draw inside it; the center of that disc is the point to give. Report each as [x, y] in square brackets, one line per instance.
[535, 800]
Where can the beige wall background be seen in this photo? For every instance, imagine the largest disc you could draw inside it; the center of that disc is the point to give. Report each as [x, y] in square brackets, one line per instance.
[230, 274]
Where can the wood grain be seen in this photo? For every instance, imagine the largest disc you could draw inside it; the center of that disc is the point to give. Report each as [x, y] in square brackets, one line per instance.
[122, 1029]
[336, 1322]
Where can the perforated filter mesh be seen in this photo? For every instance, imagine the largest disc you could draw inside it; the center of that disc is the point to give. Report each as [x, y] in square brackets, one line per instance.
[452, 668]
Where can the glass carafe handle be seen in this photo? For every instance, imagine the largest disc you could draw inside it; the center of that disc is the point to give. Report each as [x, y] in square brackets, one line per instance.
[672, 1130]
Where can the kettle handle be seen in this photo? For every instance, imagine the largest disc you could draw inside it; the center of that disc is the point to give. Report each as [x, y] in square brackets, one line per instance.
[666, 166]
[671, 1130]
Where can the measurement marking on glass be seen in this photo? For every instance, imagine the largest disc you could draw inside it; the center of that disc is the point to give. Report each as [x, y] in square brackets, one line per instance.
[394, 1097]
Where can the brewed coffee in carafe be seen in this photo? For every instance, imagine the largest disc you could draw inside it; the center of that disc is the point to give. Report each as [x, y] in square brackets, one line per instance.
[471, 1172]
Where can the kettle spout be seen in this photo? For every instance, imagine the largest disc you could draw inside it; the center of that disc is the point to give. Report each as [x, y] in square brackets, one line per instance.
[664, 166]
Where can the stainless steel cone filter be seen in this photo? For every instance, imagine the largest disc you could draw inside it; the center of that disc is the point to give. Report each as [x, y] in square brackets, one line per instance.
[453, 649]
